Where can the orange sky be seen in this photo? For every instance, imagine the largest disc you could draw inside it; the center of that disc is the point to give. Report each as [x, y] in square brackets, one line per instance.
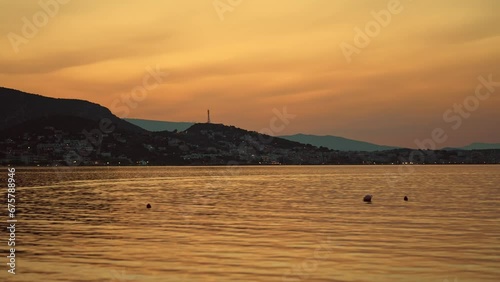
[245, 58]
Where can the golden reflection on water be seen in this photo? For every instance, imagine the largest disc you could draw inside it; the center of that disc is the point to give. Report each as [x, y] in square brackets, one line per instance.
[278, 223]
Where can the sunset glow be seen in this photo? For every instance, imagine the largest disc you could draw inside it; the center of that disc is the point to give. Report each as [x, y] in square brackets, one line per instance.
[412, 69]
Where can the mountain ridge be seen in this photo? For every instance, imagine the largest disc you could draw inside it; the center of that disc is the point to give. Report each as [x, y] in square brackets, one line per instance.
[481, 146]
[157, 125]
[356, 145]
[337, 143]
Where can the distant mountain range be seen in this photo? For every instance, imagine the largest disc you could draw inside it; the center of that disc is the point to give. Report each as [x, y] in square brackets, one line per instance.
[337, 143]
[327, 141]
[477, 146]
[330, 142]
[481, 146]
[155, 125]
[344, 144]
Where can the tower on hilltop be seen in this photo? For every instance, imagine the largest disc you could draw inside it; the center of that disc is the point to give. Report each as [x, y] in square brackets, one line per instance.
[208, 116]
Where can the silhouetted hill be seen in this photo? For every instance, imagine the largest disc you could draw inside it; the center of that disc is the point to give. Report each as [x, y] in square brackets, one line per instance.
[208, 143]
[18, 107]
[67, 124]
[206, 134]
[155, 125]
[337, 143]
[328, 141]
[37, 130]
[331, 142]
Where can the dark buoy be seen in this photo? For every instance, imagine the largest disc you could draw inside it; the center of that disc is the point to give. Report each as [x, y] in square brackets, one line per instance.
[406, 198]
[148, 206]
[367, 198]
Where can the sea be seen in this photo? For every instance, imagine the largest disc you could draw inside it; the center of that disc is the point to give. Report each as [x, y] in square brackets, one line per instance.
[254, 223]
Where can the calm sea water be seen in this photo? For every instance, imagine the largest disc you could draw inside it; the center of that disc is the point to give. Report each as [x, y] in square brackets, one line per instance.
[275, 223]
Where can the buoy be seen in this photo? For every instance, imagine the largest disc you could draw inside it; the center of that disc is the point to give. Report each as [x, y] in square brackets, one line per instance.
[406, 198]
[367, 198]
[148, 206]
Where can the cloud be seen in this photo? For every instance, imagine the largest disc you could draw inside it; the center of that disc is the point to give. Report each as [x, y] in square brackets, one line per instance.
[268, 54]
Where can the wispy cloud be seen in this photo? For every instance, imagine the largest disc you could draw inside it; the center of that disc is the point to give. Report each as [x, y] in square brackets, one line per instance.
[265, 53]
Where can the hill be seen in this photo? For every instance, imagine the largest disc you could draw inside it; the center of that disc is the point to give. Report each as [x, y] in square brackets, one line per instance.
[19, 107]
[39, 130]
[331, 142]
[210, 134]
[43, 125]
